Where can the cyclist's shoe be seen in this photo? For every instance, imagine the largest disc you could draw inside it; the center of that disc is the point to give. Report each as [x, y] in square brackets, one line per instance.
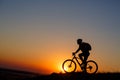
[82, 66]
[84, 71]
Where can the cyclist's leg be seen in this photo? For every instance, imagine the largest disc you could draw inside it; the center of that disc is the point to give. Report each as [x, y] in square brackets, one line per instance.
[84, 64]
[81, 57]
[86, 54]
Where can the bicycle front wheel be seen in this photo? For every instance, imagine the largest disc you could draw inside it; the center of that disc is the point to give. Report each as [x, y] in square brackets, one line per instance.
[91, 67]
[69, 66]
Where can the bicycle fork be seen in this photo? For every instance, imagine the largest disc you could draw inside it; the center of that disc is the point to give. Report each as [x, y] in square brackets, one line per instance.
[70, 63]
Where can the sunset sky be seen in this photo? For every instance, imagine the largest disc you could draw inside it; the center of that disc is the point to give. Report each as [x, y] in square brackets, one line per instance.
[38, 35]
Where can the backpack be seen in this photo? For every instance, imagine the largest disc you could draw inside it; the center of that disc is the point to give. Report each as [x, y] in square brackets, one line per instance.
[86, 46]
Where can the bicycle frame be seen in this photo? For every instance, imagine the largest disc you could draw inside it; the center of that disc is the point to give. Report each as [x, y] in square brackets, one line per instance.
[74, 57]
[90, 66]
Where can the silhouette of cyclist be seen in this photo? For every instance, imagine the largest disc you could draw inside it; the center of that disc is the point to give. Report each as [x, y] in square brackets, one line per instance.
[85, 48]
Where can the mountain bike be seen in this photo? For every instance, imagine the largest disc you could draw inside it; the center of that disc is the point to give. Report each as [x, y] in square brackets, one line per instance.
[69, 65]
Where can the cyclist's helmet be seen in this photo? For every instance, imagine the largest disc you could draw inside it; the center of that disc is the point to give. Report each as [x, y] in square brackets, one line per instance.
[79, 41]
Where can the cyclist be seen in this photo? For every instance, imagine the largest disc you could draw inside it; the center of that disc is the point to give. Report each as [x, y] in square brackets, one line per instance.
[85, 48]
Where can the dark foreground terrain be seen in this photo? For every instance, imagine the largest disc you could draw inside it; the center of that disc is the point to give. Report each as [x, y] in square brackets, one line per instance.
[79, 76]
[6, 74]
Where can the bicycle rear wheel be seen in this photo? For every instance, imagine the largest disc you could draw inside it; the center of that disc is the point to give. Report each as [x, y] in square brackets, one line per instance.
[91, 67]
[69, 66]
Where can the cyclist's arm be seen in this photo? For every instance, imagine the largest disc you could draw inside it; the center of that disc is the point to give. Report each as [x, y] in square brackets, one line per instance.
[77, 51]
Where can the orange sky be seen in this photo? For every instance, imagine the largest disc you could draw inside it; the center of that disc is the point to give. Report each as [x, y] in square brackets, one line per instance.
[39, 35]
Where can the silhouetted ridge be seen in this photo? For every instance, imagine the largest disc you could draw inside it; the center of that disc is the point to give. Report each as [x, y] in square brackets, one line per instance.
[11, 74]
[7, 74]
[15, 71]
[78, 76]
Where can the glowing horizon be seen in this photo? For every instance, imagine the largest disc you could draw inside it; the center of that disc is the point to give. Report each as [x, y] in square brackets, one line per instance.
[40, 35]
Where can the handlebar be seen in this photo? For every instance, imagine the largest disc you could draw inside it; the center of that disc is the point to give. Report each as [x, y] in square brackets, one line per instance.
[73, 54]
